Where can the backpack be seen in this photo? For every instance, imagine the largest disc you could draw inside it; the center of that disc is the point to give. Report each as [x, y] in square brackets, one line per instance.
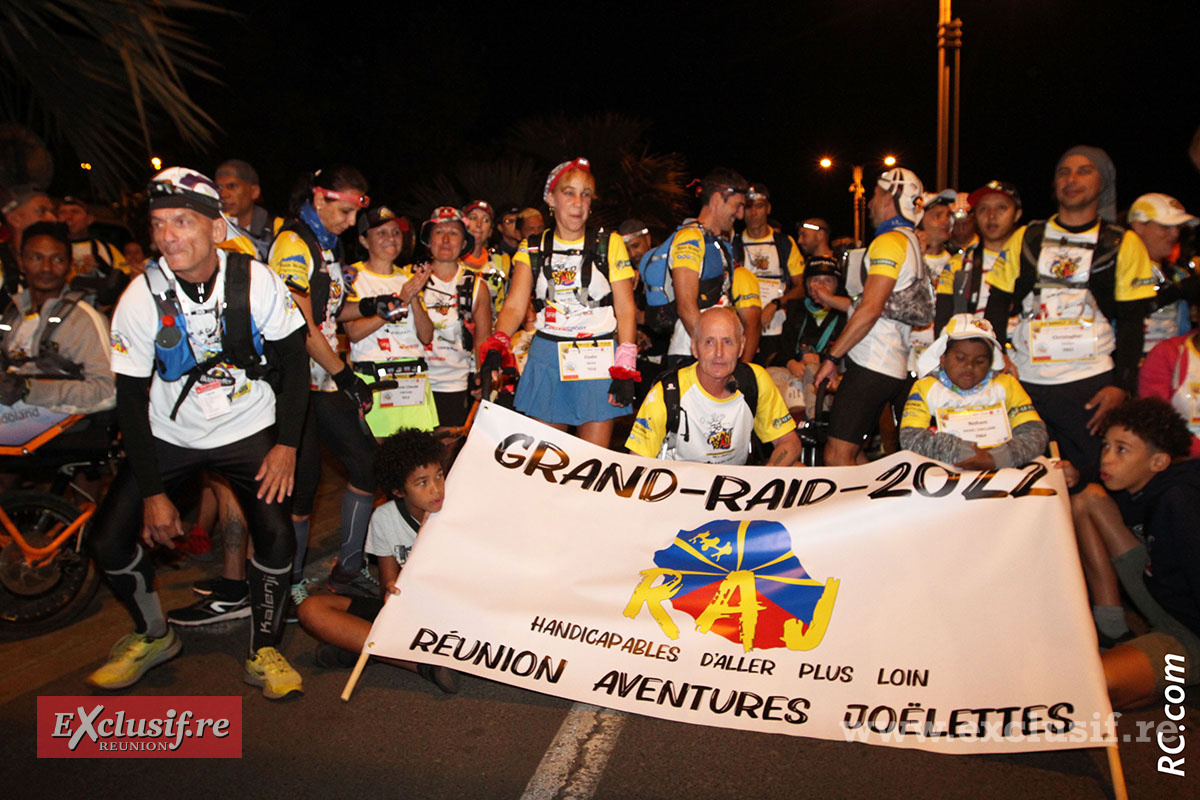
[241, 341]
[655, 272]
[1102, 277]
[319, 282]
[747, 384]
[913, 304]
[783, 246]
[46, 346]
[465, 292]
[594, 252]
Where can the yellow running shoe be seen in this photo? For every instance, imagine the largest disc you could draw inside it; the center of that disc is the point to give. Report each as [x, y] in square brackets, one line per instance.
[132, 656]
[270, 670]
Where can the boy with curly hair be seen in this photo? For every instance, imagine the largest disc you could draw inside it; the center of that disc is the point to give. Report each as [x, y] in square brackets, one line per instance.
[1153, 543]
[409, 469]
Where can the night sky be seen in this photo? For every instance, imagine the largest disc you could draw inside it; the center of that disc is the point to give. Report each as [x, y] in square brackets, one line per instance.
[403, 91]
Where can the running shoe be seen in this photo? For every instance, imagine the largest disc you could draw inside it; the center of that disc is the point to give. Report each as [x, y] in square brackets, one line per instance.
[208, 610]
[270, 670]
[220, 585]
[296, 595]
[361, 583]
[132, 656]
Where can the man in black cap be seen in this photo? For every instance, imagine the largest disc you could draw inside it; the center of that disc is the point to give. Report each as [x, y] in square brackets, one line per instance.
[179, 418]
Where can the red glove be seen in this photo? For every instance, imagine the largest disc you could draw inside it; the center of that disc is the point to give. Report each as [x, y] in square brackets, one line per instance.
[625, 366]
[499, 343]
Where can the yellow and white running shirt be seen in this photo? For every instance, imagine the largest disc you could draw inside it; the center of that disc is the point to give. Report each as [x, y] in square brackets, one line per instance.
[885, 347]
[1062, 335]
[565, 317]
[292, 261]
[762, 259]
[393, 340]
[946, 280]
[687, 251]
[985, 416]
[710, 430]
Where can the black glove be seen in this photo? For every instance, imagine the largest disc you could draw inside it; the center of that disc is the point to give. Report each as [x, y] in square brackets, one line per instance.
[355, 388]
[12, 388]
[387, 306]
[57, 366]
[622, 391]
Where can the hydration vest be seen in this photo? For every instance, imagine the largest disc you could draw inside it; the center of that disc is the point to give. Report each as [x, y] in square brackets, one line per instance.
[783, 247]
[716, 278]
[319, 282]
[241, 341]
[594, 252]
[46, 346]
[1102, 277]
[747, 384]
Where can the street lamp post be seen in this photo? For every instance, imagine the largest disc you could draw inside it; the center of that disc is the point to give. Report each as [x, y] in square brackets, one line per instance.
[858, 194]
[949, 37]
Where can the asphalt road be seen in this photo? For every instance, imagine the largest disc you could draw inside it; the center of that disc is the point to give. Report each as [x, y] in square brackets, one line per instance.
[401, 737]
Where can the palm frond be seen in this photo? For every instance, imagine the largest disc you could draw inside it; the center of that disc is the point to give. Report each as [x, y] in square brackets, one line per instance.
[80, 71]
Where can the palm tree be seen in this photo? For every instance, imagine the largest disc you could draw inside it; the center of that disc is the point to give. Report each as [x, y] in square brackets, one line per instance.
[631, 181]
[101, 75]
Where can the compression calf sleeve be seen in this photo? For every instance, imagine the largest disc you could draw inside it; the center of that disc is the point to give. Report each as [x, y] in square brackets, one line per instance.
[134, 586]
[356, 515]
[268, 594]
[300, 526]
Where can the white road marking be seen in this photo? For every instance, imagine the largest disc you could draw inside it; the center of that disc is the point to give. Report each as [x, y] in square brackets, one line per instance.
[574, 762]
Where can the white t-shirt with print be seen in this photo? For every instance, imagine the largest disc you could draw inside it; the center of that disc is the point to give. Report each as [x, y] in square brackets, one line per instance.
[242, 406]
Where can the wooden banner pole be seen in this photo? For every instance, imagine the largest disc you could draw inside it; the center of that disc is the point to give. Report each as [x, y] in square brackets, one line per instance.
[354, 676]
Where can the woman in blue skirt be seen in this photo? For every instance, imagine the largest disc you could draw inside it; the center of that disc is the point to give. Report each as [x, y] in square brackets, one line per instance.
[582, 363]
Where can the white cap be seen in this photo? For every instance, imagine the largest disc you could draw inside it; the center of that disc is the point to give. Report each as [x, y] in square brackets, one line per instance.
[1160, 208]
[960, 326]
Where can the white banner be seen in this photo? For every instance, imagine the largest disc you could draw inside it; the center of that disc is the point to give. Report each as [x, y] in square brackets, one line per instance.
[901, 602]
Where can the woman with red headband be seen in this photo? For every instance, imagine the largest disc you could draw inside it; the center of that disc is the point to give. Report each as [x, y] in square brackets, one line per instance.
[578, 373]
[307, 254]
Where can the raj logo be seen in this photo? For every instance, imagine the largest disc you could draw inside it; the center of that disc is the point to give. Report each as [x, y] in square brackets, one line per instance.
[740, 580]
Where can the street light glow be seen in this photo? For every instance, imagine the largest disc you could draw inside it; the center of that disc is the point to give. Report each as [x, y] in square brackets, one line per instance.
[826, 163]
[156, 162]
[85, 165]
[889, 160]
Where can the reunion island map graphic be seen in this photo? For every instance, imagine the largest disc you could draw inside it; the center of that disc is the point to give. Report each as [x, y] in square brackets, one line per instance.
[739, 580]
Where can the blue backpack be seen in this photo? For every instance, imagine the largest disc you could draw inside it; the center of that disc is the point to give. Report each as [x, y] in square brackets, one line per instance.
[715, 278]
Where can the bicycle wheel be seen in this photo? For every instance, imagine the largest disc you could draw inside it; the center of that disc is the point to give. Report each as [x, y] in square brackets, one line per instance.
[41, 598]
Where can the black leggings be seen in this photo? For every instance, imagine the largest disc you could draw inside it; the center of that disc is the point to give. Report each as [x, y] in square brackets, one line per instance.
[332, 421]
[118, 527]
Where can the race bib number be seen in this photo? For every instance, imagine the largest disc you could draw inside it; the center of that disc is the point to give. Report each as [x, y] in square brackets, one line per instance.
[1056, 340]
[585, 361]
[408, 392]
[986, 426]
[769, 289]
[213, 400]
